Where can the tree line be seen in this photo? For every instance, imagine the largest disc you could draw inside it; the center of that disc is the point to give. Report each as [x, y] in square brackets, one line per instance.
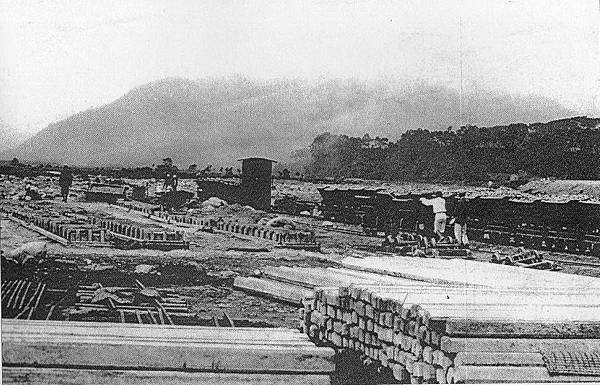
[565, 149]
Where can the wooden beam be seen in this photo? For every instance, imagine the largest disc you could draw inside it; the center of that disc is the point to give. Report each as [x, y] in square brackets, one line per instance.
[41, 231]
[458, 344]
[503, 374]
[144, 354]
[498, 359]
[64, 329]
[278, 290]
[514, 328]
[43, 376]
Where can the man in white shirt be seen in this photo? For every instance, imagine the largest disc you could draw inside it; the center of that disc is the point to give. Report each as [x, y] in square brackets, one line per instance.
[439, 209]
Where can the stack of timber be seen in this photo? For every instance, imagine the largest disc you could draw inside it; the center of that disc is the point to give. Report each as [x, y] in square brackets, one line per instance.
[295, 285]
[21, 298]
[142, 207]
[138, 234]
[458, 321]
[61, 228]
[130, 304]
[58, 352]
[295, 239]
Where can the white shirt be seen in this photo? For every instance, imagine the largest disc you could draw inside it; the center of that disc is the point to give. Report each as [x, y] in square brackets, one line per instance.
[438, 203]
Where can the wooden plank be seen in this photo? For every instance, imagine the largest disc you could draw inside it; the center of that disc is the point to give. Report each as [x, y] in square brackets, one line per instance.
[541, 312]
[144, 354]
[44, 376]
[498, 359]
[495, 298]
[515, 328]
[507, 374]
[474, 273]
[305, 277]
[423, 287]
[281, 291]
[41, 231]
[66, 329]
[459, 344]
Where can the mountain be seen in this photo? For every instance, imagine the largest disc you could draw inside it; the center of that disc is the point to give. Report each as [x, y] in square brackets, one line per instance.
[220, 120]
[9, 137]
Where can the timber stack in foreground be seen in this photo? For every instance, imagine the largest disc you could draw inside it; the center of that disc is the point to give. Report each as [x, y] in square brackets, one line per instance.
[57, 352]
[457, 321]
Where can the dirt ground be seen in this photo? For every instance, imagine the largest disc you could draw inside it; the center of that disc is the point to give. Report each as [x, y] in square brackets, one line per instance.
[204, 274]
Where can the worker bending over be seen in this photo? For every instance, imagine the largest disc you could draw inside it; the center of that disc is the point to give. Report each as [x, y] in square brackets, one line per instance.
[439, 210]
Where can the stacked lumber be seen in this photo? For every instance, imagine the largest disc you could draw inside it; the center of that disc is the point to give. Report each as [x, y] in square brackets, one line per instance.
[142, 207]
[84, 352]
[295, 239]
[462, 321]
[21, 298]
[140, 234]
[294, 285]
[59, 227]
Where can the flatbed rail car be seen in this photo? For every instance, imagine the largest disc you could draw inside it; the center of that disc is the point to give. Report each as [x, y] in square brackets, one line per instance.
[565, 226]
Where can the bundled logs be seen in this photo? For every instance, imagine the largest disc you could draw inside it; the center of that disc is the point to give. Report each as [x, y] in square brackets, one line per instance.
[458, 323]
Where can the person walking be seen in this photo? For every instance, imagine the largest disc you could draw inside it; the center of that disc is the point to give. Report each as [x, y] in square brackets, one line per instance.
[65, 181]
[460, 221]
[439, 210]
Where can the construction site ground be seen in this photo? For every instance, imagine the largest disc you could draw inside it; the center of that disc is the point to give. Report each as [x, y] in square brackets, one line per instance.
[204, 274]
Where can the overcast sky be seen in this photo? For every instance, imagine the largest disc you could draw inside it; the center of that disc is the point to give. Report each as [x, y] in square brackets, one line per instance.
[60, 57]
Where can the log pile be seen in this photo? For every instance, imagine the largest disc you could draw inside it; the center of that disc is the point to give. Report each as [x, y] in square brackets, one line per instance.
[457, 321]
[60, 352]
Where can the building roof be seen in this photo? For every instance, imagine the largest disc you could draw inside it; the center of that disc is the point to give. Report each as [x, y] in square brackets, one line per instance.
[258, 158]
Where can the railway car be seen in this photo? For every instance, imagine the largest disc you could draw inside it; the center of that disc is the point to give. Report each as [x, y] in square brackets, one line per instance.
[565, 226]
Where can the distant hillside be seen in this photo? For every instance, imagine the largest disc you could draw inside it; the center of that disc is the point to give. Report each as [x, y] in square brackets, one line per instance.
[220, 120]
[9, 137]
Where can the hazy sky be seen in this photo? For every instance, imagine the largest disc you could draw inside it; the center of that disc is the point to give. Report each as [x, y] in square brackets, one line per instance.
[60, 57]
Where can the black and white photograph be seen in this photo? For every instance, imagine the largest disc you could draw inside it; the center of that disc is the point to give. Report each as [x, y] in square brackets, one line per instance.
[299, 192]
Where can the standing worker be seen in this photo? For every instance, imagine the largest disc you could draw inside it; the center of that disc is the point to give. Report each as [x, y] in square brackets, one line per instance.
[460, 221]
[439, 210]
[65, 181]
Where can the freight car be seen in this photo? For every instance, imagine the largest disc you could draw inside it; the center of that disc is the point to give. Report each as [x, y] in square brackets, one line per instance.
[253, 190]
[570, 226]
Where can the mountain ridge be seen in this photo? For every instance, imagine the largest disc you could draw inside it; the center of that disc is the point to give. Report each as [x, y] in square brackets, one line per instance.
[219, 120]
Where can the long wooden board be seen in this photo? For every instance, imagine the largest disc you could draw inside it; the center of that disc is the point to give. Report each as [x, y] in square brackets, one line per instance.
[514, 328]
[459, 344]
[31, 328]
[119, 353]
[498, 359]
[504, 374]
[465, 272]
[41, 231]
[281, 291]
[44, 376]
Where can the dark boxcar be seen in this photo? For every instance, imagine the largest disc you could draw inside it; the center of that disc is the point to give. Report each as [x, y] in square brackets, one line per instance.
[256, 182]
